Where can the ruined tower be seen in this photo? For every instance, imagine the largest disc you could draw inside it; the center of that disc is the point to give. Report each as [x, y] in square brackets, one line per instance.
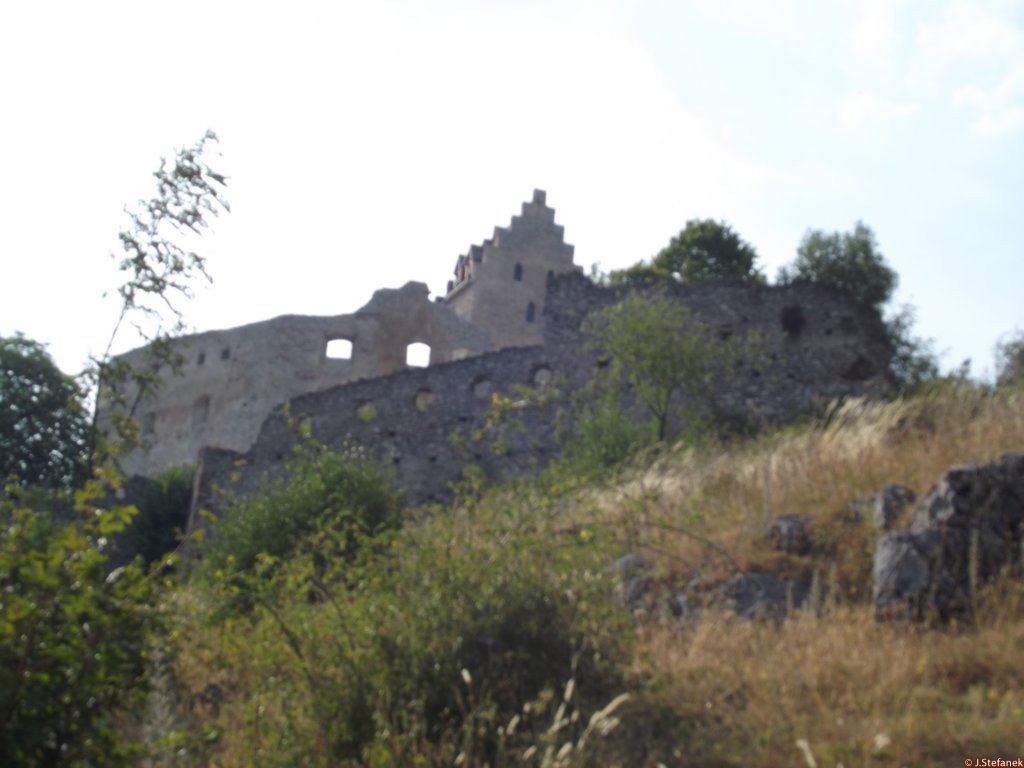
[500, 285]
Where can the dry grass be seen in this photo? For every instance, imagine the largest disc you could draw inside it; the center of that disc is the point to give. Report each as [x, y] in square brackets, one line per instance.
[702, 508]
[851, 692]
[858, 693]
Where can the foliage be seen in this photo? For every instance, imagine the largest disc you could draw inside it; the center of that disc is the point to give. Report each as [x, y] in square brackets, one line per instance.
[44, 426]
[345, 492]
[663, 351]
[158, 269]
[163, 515]
[421, 646]
[600, 432]
[849, 261]
[705, 250]
[914, 362]
[72, 637]
[1010, 360]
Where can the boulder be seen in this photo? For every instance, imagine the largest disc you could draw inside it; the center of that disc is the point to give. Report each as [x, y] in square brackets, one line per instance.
[790, 533]
[633, 576]
[889, 504]
[762, 595]
[962, 534]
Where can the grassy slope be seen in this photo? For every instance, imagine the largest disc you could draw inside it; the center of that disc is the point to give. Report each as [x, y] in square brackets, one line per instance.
[737, 693]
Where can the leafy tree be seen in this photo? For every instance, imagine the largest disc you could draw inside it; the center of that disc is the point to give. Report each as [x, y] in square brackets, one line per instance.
[914, 362]
[72, 635]
[44, 426]
[662, 349]
[705, 250]
[1010, 360]
[850, 261]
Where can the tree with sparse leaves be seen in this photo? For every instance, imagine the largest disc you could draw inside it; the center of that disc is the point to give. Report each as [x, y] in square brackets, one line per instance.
[159, 270]
[663, 350]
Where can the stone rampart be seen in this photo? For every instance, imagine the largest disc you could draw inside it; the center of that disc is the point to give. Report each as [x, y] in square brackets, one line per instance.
[816, 344]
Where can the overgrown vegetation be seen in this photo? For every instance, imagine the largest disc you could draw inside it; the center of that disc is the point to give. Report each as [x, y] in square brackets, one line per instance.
[322, 623]
[75, 632]
[343, 496]
[73, 636]
[668, 356]
[44, 426]
[163, 515]
[426, 643]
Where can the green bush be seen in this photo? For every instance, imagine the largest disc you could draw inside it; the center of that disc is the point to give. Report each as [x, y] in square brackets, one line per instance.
[322, 489]
[72, 637]
[427, 642]
[602, 434]
[163, 515]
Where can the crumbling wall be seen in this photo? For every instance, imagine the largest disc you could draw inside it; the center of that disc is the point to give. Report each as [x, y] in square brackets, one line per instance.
[420, 422]
[230, 380]
[815, 343]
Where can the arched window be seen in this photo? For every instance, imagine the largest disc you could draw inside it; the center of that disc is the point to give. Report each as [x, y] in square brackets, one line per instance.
[531, 312]
[517, 273]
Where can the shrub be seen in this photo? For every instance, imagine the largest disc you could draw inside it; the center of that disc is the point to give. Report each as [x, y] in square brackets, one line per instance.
[602, 433]
[322, 489]
[1010, 360]
[72, 638]
[163, 515]
[427, 642]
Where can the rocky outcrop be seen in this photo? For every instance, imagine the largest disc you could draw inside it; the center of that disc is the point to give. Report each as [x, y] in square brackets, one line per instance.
[964, 532]
[790, 534]
[889, 504]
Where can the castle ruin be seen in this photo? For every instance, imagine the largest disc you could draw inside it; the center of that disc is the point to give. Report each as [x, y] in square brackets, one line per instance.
[511, 316]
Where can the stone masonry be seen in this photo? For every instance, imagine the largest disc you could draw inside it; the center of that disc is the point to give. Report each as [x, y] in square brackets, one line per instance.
[512, 316]
[420, 422]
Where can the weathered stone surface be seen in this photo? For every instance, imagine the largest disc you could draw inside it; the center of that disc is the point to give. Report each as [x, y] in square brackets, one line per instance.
[416, 412]
[962, 534]
[762, 595]
[633, 582]
[501, 284]
[889, 504]
[790, 534]
[231, 380]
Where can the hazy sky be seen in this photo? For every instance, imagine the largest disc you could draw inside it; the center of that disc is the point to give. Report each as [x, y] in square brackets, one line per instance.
[370, 143]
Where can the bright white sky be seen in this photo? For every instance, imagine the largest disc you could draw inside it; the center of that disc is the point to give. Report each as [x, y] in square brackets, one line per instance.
[369, 144]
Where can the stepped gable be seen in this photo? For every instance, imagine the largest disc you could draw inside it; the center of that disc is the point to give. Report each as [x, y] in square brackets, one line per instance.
[500, 284]
[536, 220]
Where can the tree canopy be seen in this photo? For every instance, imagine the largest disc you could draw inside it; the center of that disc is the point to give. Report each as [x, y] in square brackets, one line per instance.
[850, 261]
[705, 250]
[44, 427]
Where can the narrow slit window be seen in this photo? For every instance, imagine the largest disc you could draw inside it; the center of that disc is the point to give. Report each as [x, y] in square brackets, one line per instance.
[531, 312]
[517, 273]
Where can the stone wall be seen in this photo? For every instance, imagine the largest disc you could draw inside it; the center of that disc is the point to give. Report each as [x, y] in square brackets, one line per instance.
[500, 285]
[231, 380]
[816, 344]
